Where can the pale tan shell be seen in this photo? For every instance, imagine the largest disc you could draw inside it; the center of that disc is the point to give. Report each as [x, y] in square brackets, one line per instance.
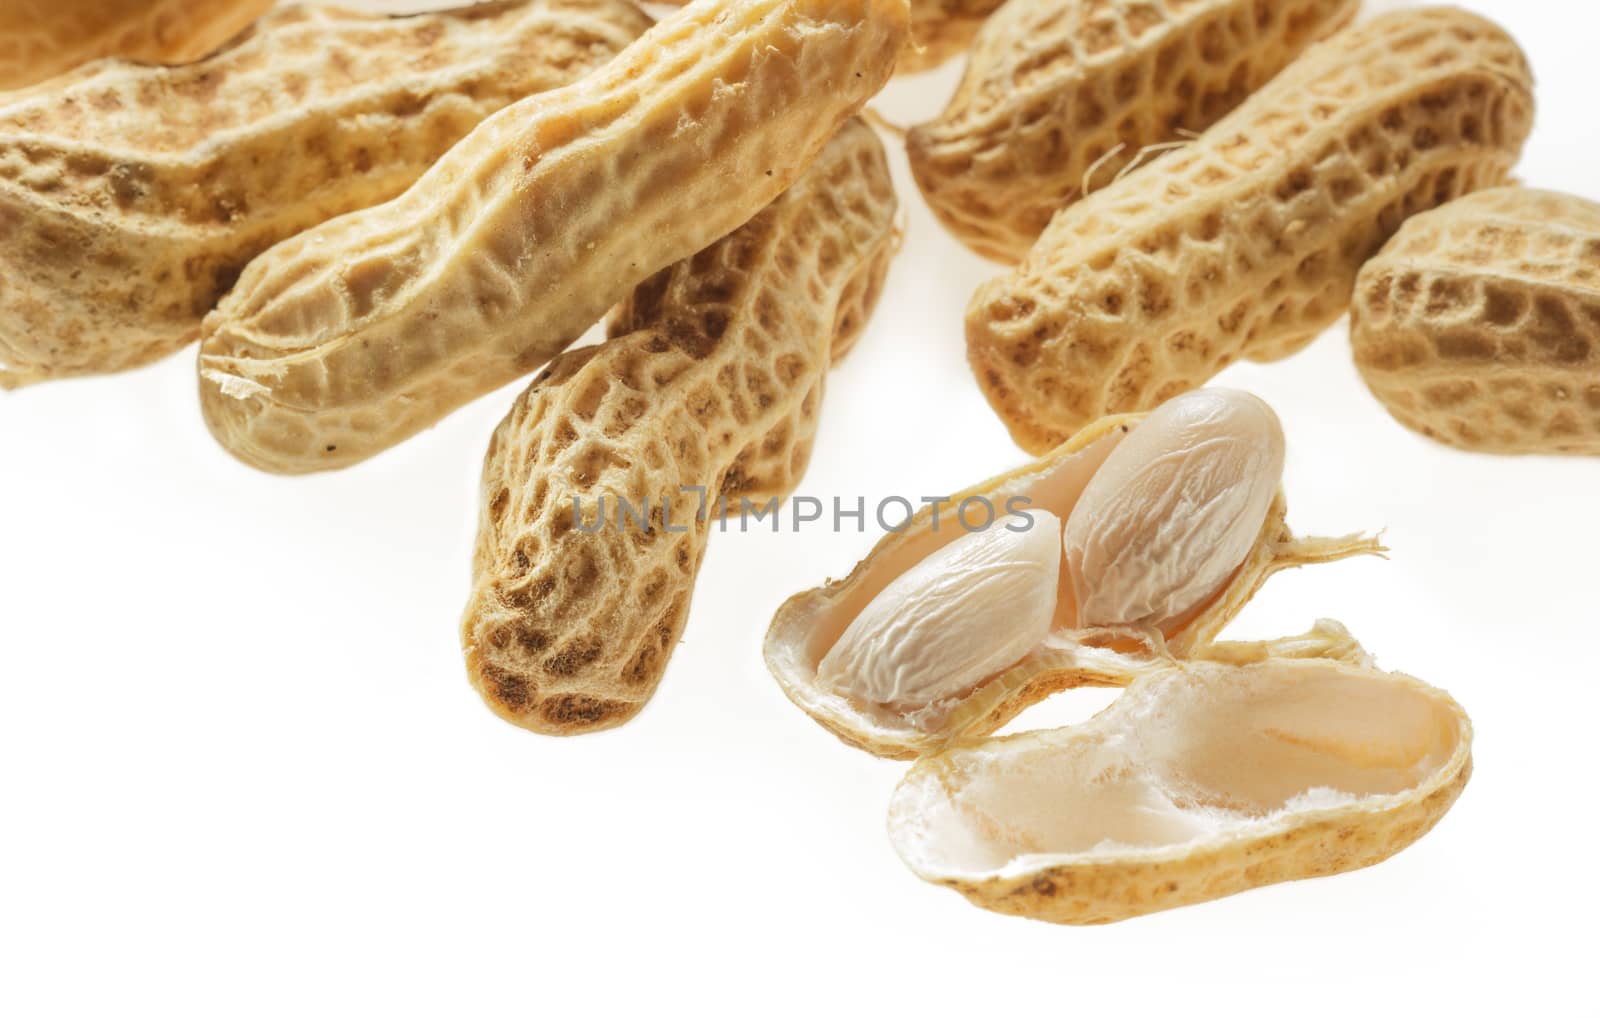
[1479, 324]
[136, 194]
[1063, 94]
[940, 30]
[42, 38]
[1246, 243]
[1200, 781]
[717, 383]
[807, 625]
[356, 335]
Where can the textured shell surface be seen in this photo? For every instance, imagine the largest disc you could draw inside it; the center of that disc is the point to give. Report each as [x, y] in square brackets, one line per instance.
[1060, 96]
[353, 336]
[136, 194]
[963, 613]
[808, 626]
[712, 379]
[1479, 324]
[1202, 780]
[940, 30]
[42, 38]
[1174, 510]
[1246, 243]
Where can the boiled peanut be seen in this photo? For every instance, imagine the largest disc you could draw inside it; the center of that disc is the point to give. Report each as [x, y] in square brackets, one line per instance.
[1479, 324]
[718, 387]
[137, 194]
[354, 336]
[1247, 242]
[42, 38]
[1166, 520]
[1059, 96]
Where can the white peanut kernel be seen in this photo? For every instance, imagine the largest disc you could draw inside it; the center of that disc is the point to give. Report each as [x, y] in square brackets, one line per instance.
[1174, 510]
[965, 612]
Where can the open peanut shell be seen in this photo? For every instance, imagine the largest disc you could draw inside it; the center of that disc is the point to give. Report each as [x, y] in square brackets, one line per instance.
[1203, 779]
[807, 625]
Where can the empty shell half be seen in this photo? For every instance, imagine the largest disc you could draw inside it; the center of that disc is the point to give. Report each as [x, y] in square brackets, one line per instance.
[968, 639]
[1200, 781]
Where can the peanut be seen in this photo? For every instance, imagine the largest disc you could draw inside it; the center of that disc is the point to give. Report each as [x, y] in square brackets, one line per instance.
[1479, 324]
[42, 38]
[1202, 780]
[963, 613]
[118, 249]
[1059, 96]
[718, 386]
[1247, 242]
[1156, 533]
[934, 638]
[354, 336]
[1174, 509]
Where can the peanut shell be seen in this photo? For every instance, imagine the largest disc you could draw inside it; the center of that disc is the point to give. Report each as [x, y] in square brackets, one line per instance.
[43, 38]
[1059, 95]
[940, 30]
[354, 336]
[717, 385]
[1247, 242]
[807, 626]
[136, 194]
[1479, 324]
[1200, 781]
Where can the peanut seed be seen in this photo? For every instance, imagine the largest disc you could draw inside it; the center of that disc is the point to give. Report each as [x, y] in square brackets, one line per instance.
[1174, 510]
[969, 609]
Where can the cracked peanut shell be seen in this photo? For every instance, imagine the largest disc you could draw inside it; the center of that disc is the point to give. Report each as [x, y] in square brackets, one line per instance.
[808, 625]
[1202, 780]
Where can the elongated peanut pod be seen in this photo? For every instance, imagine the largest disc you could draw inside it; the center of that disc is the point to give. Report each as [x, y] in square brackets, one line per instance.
[135, 195]
[1060, 95]
[570, 626]
[1172, 513]
[1479, 324]
[352, 337]
[1247, 242]
[957, 617]
[42, 38]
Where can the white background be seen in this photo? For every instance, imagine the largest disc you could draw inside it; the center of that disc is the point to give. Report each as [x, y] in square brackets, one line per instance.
[242, 771]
